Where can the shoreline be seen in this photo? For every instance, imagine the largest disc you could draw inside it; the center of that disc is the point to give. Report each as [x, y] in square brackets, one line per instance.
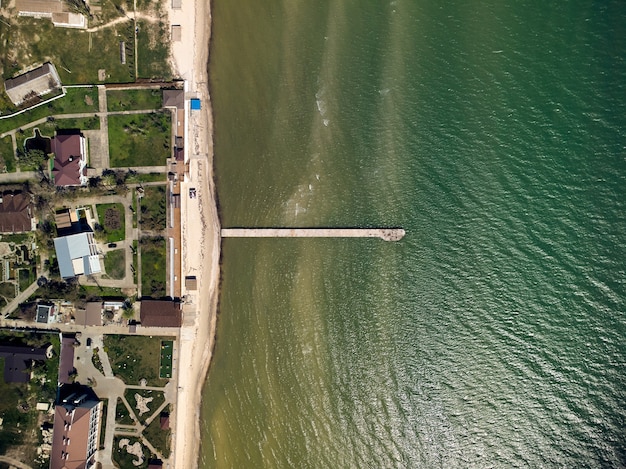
[199, 225]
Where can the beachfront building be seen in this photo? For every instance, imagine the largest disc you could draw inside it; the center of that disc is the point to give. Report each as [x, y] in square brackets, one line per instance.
[160, 313]
[77, 255]
[70, 160]
[76, 432]
[56, 11]
[36, 82]
[16, 212]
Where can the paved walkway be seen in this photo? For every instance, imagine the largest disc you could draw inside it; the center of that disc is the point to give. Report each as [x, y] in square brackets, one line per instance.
[21, 298]
[12, 462]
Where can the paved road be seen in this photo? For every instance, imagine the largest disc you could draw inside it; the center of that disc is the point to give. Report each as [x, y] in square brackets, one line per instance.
[21, 298]
[14, 462]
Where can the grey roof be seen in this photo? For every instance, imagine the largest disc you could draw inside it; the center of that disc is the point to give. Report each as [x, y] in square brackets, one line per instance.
[43, 313]
[76, 247]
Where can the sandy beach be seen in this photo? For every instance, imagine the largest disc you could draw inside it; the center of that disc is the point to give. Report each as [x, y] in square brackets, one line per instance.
[200, 231]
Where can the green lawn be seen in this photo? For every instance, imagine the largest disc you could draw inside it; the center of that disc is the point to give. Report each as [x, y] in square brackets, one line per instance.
[153, 268]
[167, 350]
[76, 100]
[140, 139]
[150, 177]
[157, 399]
[17, 424]
[101, 292]
[135, 357]
[122, 416]
[82, 123]
[160, 439]
[115, 264]
[125, 460]
[127, 100]
[153, 48]
[7, 155]
[153, 208]
[111, 218]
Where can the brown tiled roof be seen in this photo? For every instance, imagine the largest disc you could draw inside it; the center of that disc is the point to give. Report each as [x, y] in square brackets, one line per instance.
[157, 313]
[67, 156]
[71, 435]
[17, 360]
[66, 360]
[15, 212]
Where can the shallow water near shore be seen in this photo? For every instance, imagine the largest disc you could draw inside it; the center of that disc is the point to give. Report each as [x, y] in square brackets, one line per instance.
[493, 334]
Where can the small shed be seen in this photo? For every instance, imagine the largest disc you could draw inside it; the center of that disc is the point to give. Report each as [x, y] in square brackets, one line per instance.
[191, 282]
[176, 33]
[195, 104]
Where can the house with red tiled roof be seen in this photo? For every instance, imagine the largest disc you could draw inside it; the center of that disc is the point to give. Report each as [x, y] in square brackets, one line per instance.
[70, 160]
[16, 212]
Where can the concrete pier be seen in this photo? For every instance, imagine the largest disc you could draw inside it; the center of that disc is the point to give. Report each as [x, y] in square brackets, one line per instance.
[387, 234]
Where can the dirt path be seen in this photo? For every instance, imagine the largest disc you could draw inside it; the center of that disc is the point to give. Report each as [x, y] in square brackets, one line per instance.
[122, 19]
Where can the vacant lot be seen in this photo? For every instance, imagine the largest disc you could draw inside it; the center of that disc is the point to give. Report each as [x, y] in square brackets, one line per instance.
[77, 55]
[111, 218]
[153, 209]
[140, 139]
[153, 268]
[127, 100]
[115, 264]
[135, 357]
[152, 51]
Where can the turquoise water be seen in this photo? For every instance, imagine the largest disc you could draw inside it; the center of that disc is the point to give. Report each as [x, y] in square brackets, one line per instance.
[493, 334]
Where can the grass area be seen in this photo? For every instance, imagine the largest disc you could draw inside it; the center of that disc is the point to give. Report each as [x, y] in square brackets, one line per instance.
[122, 416]
[7, 155]
[103, 422]
[167, 349]
[115, 264]
[158, 398]
[77, 55]
[128, 100]
[95, 359]
[17, 238]
[153, 49]
[150, 177]
[139, 139]
[112, 221]
[135, 357]
[26, 277]
[153, 208]
[7, 290]
[82, 123]
[101, 292]
[125, 460]
[76, 100]
[153, 268]
[135, 261]
[20, 425]
[160, 439]
[134, 207]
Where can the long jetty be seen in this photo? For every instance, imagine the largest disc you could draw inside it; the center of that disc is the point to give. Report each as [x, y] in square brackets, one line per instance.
[387, 234]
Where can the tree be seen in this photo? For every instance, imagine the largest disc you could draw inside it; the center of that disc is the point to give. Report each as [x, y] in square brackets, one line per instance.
[32, 159]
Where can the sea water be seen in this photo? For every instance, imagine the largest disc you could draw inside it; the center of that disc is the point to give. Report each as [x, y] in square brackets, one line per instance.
[493, 334]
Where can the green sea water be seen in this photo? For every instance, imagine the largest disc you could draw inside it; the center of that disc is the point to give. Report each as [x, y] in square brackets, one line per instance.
[493, 334]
